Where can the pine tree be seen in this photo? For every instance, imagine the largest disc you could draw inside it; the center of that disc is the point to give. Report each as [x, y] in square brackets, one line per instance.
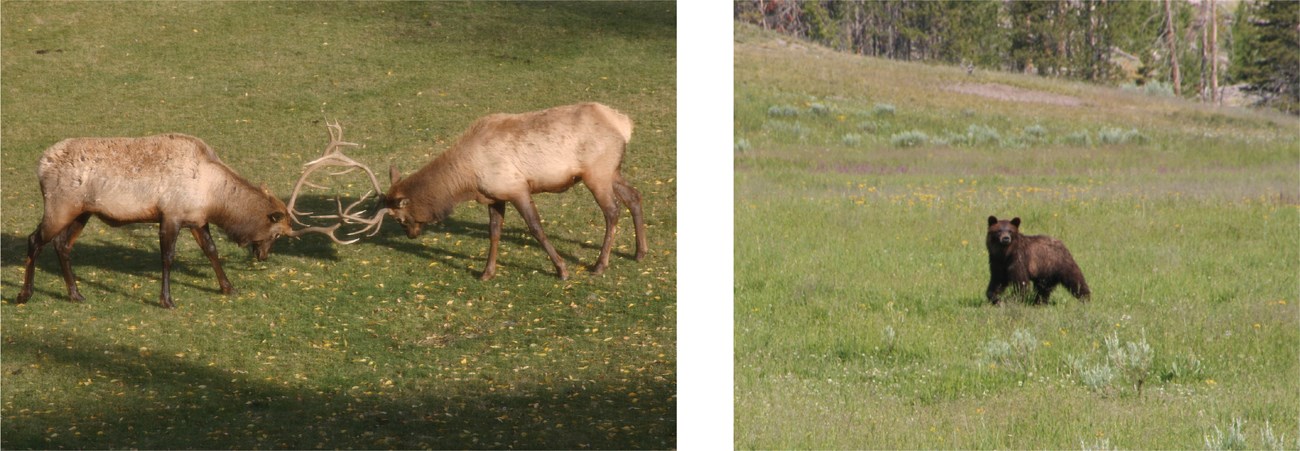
[1267, 52]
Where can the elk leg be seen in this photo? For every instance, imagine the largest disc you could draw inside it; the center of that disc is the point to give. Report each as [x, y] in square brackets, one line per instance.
[51, 227]
[496, 215]
[529, 212]
[167, 232]
[204, 236]
[63, 247]
[35, 243]
[605, 199]
[632, 199]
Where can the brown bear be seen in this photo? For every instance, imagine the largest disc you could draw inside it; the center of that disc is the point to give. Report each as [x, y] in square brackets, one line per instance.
[1016, 260]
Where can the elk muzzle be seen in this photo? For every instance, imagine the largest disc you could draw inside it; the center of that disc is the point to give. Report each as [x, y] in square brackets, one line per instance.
[261, 249]
[412, 229]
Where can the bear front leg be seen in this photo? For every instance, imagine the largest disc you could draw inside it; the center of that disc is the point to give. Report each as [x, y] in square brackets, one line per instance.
[994, 291]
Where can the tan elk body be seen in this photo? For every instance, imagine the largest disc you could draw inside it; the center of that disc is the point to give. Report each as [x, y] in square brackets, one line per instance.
[173, 179]
[505, 158]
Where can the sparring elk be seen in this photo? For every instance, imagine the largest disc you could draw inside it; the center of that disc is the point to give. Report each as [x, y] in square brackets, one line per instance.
[506, 158]
[174, 180]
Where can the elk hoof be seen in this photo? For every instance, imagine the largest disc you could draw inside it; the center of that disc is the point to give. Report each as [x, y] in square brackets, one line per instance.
[598, 270]
[76, 296]
[166, 303]
[23, 297]
[487, 275]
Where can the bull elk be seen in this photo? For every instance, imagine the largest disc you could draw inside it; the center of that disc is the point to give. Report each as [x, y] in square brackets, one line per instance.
[174, 180]
[506, 158]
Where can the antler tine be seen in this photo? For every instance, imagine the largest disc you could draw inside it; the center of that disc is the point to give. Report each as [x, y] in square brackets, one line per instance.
[373, 224]
[327, 231]
[334, 157]
[336, 138]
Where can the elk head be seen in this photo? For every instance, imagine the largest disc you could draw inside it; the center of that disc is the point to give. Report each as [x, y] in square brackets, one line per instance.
[399, 206]
[334, 157]
[260, 240]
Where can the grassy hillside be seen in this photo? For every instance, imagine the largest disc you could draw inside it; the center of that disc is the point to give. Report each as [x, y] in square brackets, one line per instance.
[862, 189]
[389, 343]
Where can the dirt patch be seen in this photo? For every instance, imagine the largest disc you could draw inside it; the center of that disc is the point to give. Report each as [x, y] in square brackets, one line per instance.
[1013, 94]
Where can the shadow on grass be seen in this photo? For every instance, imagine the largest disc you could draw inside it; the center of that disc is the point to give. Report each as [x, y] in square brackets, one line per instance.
[162, 401]
[143, 259]
[513, 239]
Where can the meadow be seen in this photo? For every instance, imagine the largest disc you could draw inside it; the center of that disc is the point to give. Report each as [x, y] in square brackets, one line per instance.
[387, 343]
[862, 191]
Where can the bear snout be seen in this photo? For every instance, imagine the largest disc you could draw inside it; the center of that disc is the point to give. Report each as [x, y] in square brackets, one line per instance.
[1004, 239]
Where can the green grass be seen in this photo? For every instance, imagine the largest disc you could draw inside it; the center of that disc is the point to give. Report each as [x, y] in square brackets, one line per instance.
[389, 343]
[860, 272]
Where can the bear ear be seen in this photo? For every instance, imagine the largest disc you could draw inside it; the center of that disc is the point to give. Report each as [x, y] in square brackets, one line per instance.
[993, 220]
[1015, 222]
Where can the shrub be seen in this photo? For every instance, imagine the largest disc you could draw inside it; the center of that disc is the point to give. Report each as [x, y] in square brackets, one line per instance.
[1036, 132]
[783, 128]
[1078, 139]
[1132, 358]
[819, 109]
[910, 138]
[868, 127]
[741, 145]
[979, 135]
[782, 111]
[1102, 444]
[851, 139]
[1232, 439]
[883, 109]
[1098, 377]
[1271, 441]
[1151, 88]
[1189, 367]
[954, 138]
[1111, 136]
[1016, 355]
[891, 339]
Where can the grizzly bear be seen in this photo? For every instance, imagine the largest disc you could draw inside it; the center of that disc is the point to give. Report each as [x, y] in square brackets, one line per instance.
[1016, 260]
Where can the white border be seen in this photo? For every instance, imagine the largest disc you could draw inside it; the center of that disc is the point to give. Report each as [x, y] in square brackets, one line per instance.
[705, 405]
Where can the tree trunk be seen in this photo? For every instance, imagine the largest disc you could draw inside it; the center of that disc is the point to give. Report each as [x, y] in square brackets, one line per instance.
[1173, 49]
[1214, 54]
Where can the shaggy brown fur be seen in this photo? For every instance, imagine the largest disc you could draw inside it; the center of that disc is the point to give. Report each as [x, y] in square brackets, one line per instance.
[174, 180]
[506, 158]
[1016, 260]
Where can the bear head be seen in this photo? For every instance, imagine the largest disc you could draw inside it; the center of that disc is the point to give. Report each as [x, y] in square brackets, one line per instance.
[1003, 232]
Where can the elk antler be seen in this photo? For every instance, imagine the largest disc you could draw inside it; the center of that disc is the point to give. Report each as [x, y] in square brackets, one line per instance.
[327, 231]
[333, 156]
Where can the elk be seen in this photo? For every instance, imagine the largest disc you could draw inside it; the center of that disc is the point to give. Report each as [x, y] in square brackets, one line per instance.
[173, 179]
[506, 158]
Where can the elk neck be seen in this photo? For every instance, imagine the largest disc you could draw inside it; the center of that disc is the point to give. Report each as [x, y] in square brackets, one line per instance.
[439, 186]
[239, 208]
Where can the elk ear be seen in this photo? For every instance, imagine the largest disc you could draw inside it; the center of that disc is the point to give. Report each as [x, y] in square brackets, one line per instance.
[265, 190]
[403, 203]
[993, 220]
[393, 175]
[1015, 222]
[275, 217]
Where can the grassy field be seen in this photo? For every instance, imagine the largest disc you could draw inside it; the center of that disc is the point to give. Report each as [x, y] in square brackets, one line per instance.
[389, 343]
[862, 189]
